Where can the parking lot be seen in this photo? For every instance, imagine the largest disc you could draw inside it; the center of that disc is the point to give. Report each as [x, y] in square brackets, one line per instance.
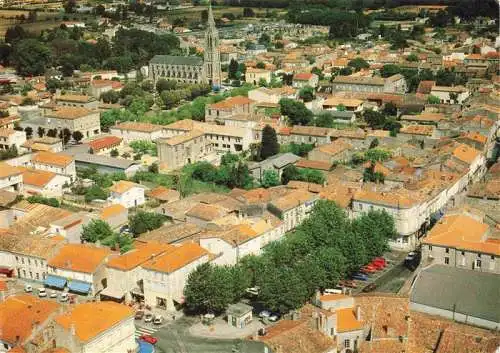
[388, 280]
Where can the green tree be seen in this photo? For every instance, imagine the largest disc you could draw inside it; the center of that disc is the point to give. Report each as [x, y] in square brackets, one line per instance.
[29, 132]
[377, 225]
[269, 143]
[358, 64]
[306, 94]
[377, 155]
[51, 201]
[390, 70]
[433, 99]
[114, 153]
[77, 136]
[95, 193]
[270, 178]
[30, 57]
[143, 222]
[412, 58]
[96, 230]
[40, 131]
[390, 109]
[296, 111]
[232, 69]
[376, 120]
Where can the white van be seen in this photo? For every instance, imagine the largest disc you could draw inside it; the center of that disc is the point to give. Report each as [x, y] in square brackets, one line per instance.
[28, 288]
[64, 297]
[333, 291]
[42, 293]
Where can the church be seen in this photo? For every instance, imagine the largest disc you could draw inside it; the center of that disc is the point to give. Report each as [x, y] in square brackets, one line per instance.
[191, 69]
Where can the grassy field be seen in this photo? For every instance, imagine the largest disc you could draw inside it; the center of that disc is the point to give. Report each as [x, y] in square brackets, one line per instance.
[194, 13]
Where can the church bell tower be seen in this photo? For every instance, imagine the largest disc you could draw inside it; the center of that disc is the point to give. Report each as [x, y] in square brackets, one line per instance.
[212, 53]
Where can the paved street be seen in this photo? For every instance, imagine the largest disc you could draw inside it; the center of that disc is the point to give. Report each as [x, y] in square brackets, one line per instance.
[175, 338]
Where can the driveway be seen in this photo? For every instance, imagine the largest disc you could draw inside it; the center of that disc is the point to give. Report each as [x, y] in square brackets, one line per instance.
[175, 338]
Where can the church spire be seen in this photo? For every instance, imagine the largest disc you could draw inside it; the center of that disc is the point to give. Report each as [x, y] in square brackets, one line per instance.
[212, 54]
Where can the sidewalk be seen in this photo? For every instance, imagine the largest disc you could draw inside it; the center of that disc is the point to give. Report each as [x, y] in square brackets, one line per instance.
[220, 329]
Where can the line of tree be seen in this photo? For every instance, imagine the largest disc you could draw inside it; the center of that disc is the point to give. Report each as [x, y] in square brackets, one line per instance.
[325, 248]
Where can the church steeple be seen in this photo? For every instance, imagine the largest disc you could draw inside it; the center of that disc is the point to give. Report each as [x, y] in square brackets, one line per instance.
[212, 54]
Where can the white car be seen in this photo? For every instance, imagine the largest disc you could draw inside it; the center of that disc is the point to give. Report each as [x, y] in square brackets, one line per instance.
[64, 297]
[42, 293]
[53, 294]
[148, 318]
[28, 288]
[158, 320]
[273, 318]
[264, 314]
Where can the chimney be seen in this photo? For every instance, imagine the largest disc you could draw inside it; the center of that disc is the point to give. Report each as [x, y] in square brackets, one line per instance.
[317, 296]
[358, 312]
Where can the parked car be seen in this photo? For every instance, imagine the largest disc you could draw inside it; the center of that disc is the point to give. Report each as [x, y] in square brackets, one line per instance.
[64, 297]
[253, 290]
[367, 270]
[370, 287]
[380, 259]
[348, 283]
[333, 291]
[412, 260]
[42, 293]
[149, 339]
[148, 318]
[274, 317]
[264, 314]
[377, 265]
[28, 288]
[360, 276]
[139, 315]
[53, 294]
[158, 320]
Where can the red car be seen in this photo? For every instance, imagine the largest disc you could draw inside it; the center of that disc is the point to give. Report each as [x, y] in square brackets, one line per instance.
[377, 265]
[367, 270]
[149, 339]
[380, 259]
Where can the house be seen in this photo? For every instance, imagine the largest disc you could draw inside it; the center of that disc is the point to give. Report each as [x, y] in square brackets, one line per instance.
[105, 164]
[10, 178]
[124, 273]
[272, 95]
[176, 152]
[462, 241]
[343, 104]
[10, 138]
[451, 95]
[340, 319]
[76, 100]
[337, 151]
[127, 194]
[164, 195]
[132, 131]
[115, 215]
[275, 163]
[392, 84]
[165, 276]
[228, 107]
[61, 164]
[97, 327]
[72, 118]
[305, 134]
[44, 144]
[464, 296]
[104, 144]
[256, 76]
[304, 79]
[81, 266]
[418, 131]
[70, 227]
[33, 330]
[98, 87]
[41, 182]
[239, 315]
[293, 208]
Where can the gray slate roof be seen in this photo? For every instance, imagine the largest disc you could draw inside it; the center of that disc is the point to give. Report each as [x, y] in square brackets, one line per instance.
[176, 60]
[465, 291]
[278, 161]
[103, 160]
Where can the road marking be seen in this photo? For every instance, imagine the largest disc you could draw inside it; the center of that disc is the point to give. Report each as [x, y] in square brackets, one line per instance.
[139, 331]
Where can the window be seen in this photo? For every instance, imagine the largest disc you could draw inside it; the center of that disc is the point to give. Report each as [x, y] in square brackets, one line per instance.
[31, 274]
[479, 255]
[24, 273]
[347, 343]
[478, 263]
[463, 253]
[447, 260]
[447, 250]
[430, 247]
[493, 257]
[37, 275]
[22, 260]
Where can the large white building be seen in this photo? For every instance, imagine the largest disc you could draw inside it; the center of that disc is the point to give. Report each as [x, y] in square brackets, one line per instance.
[127, 194]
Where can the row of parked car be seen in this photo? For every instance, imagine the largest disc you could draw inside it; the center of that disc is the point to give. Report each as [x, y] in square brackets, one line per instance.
[148, 317]
[377, 264]
[42, 293]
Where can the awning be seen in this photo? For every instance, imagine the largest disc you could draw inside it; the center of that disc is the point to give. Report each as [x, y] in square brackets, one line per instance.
[80, 287]
[112, 293]
[55, 281]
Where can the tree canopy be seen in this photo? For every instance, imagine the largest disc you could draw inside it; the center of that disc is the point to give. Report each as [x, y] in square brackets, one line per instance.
[269, 144]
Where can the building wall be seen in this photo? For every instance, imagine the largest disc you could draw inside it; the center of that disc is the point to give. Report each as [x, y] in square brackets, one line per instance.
[12, 183]
[130, 198]
[178, 156]
[168, 286]
[117, 339]
[179, 73]
[133, 135]
[69, 170]
[465, 259]
[54, 188]
[93, 278]
[29, 267]
[458, 317]
[123, 281]
[349, 340]
[88, 125]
